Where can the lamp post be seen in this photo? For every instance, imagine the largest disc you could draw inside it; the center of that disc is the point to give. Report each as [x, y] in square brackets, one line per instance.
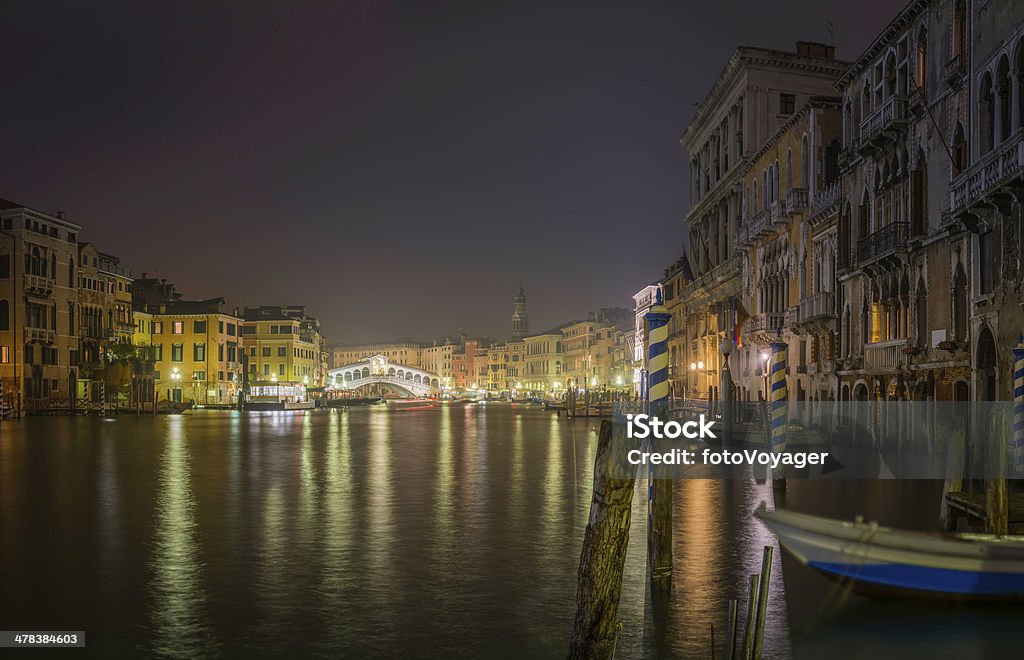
[175, 379]
[726, 348]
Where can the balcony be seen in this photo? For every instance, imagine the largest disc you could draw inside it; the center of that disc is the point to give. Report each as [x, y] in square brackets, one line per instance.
[887, 355]
[791, 317]
[775, 215]
[39, 336]
[753, 228]
[763, 328]
[881, 124]
[953, 72]
[38, 285]
[796, 201]
[820, 306]
[826, 198]
[886, 241]
[988, 176]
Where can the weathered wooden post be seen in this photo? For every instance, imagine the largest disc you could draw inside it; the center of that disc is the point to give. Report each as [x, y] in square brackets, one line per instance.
[659, 527]
[780, 403]
[604, 547]
[762, 601]
[748, 626]
[954, 471]
[730, 649]
[996, 501]
[1018, 408]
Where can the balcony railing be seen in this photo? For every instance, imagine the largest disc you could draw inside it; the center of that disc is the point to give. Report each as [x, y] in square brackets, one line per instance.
[826, 197]
[775, 215]
[995, 169]
[821, 305]
[39, 336]
[39, 285]
[884, 354]
[883, 242]
[791, 317]
[796, 201]
[765, 322]
[953, 72]
[892, 115]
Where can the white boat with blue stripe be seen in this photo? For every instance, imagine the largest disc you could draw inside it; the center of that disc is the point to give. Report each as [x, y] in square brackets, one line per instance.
[883, 561]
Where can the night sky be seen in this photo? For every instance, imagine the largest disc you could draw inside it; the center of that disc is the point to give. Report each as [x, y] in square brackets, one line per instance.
[397, 167]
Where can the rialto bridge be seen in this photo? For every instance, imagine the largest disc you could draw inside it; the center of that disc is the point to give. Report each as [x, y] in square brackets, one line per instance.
[376, 370]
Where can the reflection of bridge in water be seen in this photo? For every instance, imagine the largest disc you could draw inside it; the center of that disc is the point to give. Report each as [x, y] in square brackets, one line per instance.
[376, 373]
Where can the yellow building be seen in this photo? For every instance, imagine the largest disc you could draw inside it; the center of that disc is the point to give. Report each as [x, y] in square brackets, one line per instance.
[399, 352]
[197, 351]
[278, 351]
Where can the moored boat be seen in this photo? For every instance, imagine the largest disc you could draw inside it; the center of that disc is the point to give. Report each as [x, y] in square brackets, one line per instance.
[884, 561]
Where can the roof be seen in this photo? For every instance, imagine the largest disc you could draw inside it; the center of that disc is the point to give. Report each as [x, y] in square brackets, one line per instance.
[187, 307]
[895, 26]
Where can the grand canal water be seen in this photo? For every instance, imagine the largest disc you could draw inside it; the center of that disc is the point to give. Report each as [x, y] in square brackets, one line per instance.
[448, 532]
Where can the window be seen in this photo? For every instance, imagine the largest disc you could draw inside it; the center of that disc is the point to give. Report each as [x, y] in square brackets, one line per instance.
[5, 354]
[921, 312]
[177, 327]
[199, 353]
[787, 104]
[158, 352]
[176, 352]
[266, 369]
[922, 62]
[5, 264]
[198, 375]
[71, 272]
[960, 304]
[199, 327]
[273, 329]
[281, 351]
[266, 351]
[280, 369]
[158, 327]
[5, 315]
[987, 263]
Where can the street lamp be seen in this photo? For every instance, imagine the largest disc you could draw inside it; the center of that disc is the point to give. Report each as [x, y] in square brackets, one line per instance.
[175, 378]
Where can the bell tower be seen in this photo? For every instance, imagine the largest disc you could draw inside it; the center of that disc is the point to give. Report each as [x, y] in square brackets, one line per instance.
[520, 321]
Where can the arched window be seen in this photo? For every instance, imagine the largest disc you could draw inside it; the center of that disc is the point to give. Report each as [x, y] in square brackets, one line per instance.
[987, 114]
[5, 315]
[921, 315]
[959, 304]
[921, 74]
[960, 31]
[805, 164]
[764, 190]
[789, 169]
[53, 266]
[775, 197]
[71, 272]
[1004, 99]
[863, 217]
[919, 197]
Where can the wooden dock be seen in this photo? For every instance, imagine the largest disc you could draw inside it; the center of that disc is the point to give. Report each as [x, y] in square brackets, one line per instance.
[972, 505]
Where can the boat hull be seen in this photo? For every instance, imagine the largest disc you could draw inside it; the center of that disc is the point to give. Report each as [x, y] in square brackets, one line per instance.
[883, 561]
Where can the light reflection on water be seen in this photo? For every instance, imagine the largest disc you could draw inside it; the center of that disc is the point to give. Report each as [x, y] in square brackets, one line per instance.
[452, 532]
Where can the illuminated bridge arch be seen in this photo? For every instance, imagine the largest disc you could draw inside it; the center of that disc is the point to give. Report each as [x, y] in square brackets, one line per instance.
[376, 369]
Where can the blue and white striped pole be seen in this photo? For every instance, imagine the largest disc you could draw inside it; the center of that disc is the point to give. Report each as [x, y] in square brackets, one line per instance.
[657, 364]
[1018, 406]
[780, 395]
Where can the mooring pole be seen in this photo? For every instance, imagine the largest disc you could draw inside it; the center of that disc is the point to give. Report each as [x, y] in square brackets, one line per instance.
[780, 402]
[764, 584]
[1018, 408]
[605, 542]
[659, 510]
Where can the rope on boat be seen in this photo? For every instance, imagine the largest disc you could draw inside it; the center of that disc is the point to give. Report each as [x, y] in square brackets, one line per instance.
[842, 588]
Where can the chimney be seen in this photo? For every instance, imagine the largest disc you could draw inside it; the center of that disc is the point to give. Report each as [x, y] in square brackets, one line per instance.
[61, 215]
[815, 49]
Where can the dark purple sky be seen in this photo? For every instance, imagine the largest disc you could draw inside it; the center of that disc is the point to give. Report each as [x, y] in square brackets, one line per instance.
[397, 167]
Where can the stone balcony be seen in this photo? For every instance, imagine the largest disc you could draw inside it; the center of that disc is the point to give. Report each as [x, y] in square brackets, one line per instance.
[885, 242]
[990, 176]
[885, 355]
[753, 229]
[38, 285]
[953, 72]
[880, 126]
[775, 214]
[820, 306]
[39, 336]
[796, 201]
[826, 197]
[763, 328]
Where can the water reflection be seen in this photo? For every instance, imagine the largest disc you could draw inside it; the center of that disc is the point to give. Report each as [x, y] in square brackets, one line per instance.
[180, 626]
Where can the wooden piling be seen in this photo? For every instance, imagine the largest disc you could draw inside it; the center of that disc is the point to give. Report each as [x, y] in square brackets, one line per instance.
[955, 453]
[997, 506]
[730, 631]
[604, 547]
[762, 601]
[748, 625]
